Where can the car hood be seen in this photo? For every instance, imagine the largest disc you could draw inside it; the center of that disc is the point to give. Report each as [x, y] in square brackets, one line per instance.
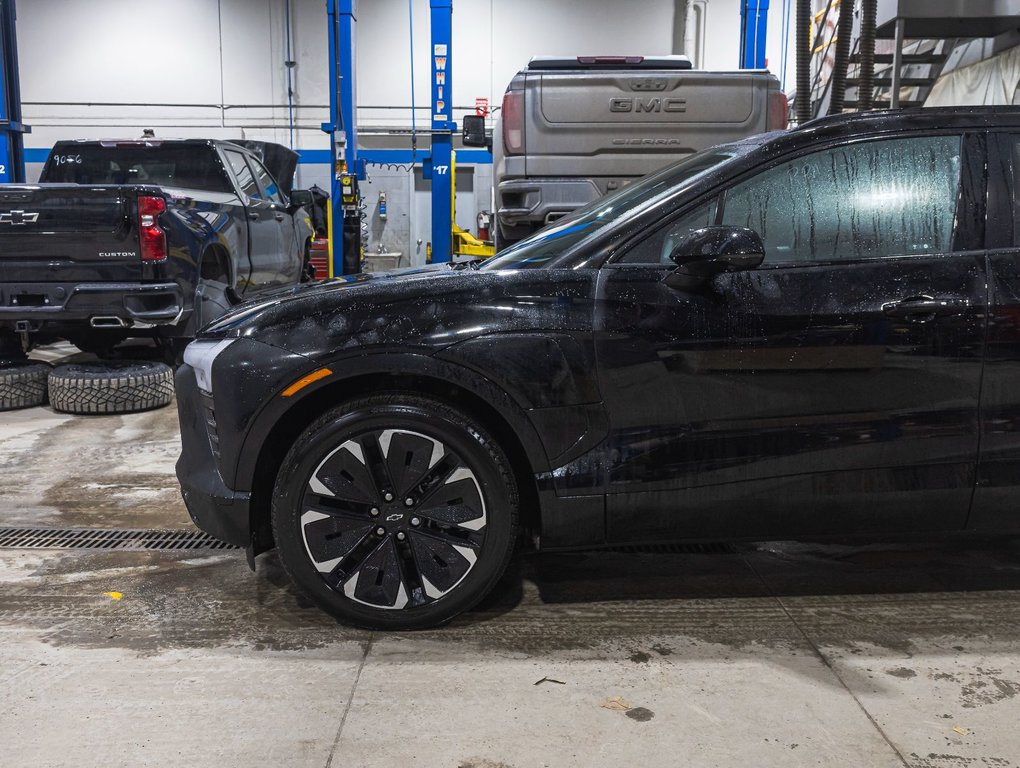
[420, 309]
[277, 305]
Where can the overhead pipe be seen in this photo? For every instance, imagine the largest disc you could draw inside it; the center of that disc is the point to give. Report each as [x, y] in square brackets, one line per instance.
[803, 101]
[844, 32]
[866, 83]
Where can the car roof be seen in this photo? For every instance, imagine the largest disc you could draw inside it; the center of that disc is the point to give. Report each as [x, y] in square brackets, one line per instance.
[158, 142]
[915, 119]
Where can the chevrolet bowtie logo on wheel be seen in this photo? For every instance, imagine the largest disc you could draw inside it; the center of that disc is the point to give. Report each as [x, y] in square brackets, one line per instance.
[18, 218]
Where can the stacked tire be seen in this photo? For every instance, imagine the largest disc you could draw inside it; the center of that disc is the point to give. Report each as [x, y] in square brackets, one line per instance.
[22, 383]
[124, 386]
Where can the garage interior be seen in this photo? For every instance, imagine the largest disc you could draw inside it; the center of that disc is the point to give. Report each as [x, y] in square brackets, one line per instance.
[129, 637]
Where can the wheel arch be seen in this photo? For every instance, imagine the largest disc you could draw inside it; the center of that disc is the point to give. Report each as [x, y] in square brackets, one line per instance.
[507, 424]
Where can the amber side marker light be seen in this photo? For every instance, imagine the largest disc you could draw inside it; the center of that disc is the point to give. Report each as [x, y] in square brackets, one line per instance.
[303, 382]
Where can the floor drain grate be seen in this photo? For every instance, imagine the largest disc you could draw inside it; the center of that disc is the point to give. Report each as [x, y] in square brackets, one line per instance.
[107, 538]
[697, 548]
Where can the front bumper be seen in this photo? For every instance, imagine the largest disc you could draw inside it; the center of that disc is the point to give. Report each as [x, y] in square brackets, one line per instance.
[136, 304]
[215, 508]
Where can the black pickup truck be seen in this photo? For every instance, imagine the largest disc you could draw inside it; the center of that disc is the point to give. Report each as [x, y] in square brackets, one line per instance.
[147, 238]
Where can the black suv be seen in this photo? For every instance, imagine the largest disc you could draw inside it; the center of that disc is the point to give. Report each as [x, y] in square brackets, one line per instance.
[805, 334]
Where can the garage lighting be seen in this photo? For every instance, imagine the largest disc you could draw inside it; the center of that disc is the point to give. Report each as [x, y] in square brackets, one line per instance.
[201, 355]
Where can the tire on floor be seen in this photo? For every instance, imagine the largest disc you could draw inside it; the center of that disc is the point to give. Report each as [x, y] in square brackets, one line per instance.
[22, 383]
[111, 386]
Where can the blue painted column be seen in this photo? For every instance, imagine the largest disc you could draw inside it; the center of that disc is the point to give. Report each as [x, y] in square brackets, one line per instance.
[12, 148]
[753, 28]
[342, 125]
[439, 166]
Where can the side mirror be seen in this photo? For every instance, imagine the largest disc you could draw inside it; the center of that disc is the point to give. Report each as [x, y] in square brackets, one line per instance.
[300, 198]
[704, 253]
[473, 134]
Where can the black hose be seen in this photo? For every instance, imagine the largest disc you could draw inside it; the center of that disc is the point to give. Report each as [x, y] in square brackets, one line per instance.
[803, 61]
[866, 84]
[839, 67]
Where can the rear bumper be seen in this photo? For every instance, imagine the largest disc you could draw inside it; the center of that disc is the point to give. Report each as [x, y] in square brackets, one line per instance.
[133, 304]
[215, 508]
[539, 201]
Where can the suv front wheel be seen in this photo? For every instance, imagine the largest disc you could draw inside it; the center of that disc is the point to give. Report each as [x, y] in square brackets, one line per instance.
[395, 512]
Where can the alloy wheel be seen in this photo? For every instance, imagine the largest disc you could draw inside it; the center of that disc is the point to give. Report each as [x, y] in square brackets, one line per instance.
[393, 519]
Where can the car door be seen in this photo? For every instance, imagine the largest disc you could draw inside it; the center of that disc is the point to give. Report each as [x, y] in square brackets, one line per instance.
[263, 228]
[998, 486]
[285, 260]
[832, 390]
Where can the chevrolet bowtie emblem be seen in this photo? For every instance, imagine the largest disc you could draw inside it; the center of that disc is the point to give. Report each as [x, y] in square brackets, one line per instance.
[18, 218]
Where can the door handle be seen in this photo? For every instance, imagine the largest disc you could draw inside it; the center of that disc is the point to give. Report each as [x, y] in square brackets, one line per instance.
[279, 216]
[921, 309]
[253, 216]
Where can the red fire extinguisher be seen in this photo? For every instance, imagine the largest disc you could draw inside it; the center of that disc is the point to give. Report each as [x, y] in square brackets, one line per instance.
[484, 221]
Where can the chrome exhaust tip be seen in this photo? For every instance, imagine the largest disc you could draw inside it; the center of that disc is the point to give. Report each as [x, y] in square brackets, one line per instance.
[108, 321]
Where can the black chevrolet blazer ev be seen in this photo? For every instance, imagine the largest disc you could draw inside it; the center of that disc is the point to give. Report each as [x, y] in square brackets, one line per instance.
[806, 334]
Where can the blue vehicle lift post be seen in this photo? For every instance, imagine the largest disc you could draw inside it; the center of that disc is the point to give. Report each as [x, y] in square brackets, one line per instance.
[346, 166]
[753, 28]
[12, 147]
[439, 166]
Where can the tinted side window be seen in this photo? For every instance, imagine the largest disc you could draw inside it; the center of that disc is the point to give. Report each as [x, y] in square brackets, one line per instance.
[657, 248]
[267, 182]
[245, 178]
[894, 197]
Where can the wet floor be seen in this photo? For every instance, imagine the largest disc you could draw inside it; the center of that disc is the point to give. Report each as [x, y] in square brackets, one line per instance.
[899, 654]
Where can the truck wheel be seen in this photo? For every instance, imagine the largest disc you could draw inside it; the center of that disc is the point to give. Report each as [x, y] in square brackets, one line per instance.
[22, 384]
[395, 511]
[507, 236]
[111, 386]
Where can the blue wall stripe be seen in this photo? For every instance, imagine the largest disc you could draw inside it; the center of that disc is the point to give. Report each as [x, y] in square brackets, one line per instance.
[321, 156]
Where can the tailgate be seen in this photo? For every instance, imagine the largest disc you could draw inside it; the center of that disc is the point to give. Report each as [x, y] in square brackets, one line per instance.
[629, 123]
[68, 233]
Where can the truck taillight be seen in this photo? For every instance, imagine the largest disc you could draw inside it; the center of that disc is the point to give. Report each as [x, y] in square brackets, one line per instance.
[513, 122]
[779, 110]
[150, 233]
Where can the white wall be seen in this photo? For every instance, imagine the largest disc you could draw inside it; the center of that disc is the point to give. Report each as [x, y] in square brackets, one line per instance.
[231, 53]
[192, 68]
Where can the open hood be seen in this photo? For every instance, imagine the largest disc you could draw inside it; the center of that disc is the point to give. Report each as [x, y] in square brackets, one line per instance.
[281, 161]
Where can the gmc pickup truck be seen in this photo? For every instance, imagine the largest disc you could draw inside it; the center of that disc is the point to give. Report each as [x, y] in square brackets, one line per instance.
[147, 238]
[574, 129]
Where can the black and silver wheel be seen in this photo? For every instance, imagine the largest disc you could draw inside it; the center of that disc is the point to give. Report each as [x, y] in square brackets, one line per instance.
[395, 512]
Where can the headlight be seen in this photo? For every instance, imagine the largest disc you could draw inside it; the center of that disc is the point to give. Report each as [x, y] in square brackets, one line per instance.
[201, 355]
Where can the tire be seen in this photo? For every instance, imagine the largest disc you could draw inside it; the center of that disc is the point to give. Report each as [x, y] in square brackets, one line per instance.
[505, 237]
[435, 558]
[111, 386]
[22, 384]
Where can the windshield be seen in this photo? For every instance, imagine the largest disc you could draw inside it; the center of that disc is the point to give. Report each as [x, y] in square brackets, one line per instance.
[550, 242]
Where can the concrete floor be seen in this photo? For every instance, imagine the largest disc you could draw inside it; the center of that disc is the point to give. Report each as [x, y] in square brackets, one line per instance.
[769, 655]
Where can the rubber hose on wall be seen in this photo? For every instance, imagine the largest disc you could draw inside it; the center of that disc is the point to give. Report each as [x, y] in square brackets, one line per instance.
[844, 32]
[803, 61]
[866, 84]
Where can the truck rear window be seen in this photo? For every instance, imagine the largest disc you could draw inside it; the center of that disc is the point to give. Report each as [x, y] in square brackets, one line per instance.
[197, 168]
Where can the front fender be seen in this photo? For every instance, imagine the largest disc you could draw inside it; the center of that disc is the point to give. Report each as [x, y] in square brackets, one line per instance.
[356, 375]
